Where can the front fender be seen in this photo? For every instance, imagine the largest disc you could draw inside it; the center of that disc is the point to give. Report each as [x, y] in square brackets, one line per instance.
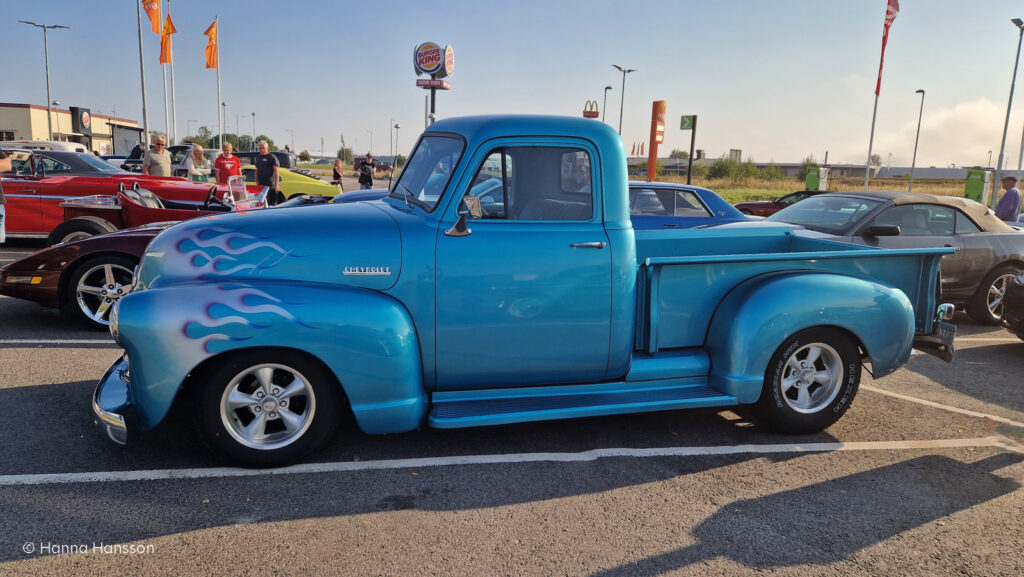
[758, 315]
[366, 338]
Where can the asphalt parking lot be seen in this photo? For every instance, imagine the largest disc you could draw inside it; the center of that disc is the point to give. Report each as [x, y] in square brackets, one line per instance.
[922, 476]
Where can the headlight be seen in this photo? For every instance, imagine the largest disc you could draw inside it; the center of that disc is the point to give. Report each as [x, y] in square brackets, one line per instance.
[12, 279]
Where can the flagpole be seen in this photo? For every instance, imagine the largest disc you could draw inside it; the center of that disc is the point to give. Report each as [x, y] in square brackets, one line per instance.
[142, 69]
[871, 141]
[174, 109]
[167, 111]
[220, 117]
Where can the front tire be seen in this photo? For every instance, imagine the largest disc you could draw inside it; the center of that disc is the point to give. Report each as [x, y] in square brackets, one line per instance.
[810, 382]
[95, 286]
[268, 409]
[987, 305]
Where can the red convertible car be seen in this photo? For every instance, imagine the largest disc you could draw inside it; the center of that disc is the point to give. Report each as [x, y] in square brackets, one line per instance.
[132, 207]
[770, 207]
[40, 180]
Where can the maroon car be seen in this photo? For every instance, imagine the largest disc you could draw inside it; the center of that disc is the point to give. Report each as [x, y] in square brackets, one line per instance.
[770, 207]
[85, 277]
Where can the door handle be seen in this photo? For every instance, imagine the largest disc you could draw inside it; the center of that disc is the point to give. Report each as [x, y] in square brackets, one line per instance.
[600, 244]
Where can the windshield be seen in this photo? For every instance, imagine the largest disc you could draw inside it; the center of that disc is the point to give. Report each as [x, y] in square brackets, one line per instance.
[98, 163]
[827, 214]
[428, 170]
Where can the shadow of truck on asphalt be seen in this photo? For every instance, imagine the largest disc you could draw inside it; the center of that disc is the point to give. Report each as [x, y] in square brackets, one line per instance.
[811, 525]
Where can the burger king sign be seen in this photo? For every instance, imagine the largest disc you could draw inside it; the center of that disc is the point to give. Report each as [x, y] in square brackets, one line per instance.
[430, 59]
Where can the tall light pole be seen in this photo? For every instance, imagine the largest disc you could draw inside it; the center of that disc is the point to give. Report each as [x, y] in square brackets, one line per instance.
[622, 95]
[1002, 146]
[397, 126]
[57, 103]
[46, 55]
[914, 161]
[371, 140]
[605, 105]
[391, 140]
[254, 129]
[291, 131]
[224, 112]
[188, 127]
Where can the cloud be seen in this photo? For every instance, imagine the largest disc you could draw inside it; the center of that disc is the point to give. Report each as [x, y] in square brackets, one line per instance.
[962, 135]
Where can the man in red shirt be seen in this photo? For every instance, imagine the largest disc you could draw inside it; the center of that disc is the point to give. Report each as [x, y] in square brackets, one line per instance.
[227, 164]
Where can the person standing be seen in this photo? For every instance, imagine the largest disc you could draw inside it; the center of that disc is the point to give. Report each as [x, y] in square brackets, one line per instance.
[268, 173]
[157, 161]
[227, 164]
[366, 170]
[337, 169]
[5, 166]
[197, 165]
[1008, 208]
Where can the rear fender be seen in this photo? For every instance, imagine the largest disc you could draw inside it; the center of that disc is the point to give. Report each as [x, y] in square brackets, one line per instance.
[758, 315]
[366, 338]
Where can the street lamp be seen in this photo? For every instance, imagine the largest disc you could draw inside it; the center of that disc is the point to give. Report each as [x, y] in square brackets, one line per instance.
[371, 140]
[391, 140]
[188, 126]
[57, 103]
[254, 130]
[914, 161]
[224, 111]
[622, 95]
[1002, 146]
[46, 55]
[290, 131]
[605, 105]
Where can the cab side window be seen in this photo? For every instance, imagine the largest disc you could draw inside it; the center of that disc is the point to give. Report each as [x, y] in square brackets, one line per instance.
[534, 183]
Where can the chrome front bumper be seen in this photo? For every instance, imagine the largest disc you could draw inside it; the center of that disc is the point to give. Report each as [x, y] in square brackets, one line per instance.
[111, 400]
[940, 342]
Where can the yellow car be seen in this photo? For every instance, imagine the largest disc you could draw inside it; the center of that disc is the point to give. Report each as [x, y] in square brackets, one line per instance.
[294, 184]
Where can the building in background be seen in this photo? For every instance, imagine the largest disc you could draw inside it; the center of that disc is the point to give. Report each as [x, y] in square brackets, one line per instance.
[103, 134]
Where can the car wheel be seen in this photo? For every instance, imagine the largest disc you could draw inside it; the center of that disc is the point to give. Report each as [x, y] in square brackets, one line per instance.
[77, 229]
[263, 409]
[810, 381]
[95, 286]
[987, 305]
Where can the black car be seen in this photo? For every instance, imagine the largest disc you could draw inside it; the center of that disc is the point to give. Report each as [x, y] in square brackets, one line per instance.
[1013, 306]
[989, 252]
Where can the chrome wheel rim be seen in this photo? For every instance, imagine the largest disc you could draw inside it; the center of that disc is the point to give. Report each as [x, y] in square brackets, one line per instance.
[267, 406]
[996, 294]
[811, 378]
[100, 288]
[73, 236]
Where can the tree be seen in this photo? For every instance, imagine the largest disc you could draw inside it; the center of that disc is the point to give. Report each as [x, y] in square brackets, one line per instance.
[679, 154]
[772, 172]
[345, 154]
[304, 156]
[722, 168]
[876, 160]
[801, 173]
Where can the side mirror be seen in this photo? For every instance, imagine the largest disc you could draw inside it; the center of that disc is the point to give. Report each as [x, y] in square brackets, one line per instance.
[471, 205]
[882, 230]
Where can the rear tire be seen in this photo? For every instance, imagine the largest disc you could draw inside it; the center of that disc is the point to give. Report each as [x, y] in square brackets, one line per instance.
[986, 307]
[810, 381]
[77, 229]
[268, 409]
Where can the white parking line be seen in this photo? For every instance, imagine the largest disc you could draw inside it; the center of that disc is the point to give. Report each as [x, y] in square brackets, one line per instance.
[987, 340]
[338, 467]
[943, 407]
[56, 341]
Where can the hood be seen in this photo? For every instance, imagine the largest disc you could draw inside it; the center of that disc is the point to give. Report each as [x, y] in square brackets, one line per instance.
[350, 244]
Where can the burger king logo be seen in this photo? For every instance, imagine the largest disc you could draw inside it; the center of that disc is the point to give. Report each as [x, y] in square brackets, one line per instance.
[428, 58]
[86, 119]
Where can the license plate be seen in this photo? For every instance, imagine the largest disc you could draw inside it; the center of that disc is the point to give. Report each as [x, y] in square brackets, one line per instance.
[946, 331]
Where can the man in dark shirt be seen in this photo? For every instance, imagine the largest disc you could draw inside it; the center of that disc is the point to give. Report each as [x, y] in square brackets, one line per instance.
[268, 174]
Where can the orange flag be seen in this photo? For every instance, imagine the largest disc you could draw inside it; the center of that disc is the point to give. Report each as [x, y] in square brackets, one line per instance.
[211, 45]
[641, 149]
[633, 153]
[152, 8]
[165, 41]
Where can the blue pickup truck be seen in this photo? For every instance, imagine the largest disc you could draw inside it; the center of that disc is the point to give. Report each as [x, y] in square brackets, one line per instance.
[443, 306]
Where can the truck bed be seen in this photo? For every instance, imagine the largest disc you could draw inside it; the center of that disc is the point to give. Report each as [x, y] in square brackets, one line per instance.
[684, 274]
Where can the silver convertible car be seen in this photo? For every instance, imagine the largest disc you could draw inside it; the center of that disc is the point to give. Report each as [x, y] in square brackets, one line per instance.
[989, 253]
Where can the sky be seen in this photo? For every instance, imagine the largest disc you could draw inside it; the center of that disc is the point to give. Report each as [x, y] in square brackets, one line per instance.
[779, 80]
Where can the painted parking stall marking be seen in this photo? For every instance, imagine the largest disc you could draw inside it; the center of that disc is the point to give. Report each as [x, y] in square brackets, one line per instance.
[996, 442]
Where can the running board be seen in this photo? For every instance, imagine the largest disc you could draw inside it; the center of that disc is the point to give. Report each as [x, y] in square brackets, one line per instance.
[475, 408]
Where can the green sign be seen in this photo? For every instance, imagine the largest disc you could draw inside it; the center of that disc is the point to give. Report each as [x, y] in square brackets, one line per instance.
[687, 122]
